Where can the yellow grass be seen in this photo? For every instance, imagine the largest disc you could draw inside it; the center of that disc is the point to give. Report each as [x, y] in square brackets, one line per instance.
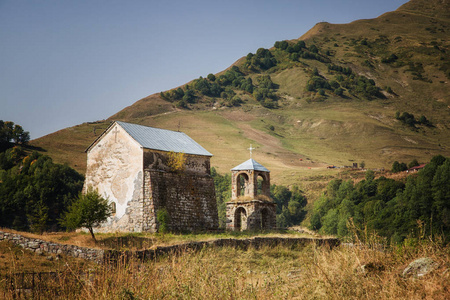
[269, 273]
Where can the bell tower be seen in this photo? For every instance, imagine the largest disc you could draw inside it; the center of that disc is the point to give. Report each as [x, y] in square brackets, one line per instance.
[245, 177]
[251, 207]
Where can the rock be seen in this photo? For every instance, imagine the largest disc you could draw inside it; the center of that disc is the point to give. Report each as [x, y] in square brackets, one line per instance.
[420, 267]
[294, 273]
[33, 245]
[49, 258]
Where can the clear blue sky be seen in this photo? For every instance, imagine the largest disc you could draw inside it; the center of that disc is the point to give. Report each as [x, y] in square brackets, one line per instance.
[65, 62]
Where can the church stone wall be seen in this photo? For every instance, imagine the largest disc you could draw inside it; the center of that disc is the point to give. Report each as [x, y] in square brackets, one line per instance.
[189, 199]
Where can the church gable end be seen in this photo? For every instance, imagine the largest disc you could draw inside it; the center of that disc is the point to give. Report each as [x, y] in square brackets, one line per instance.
[114, 168]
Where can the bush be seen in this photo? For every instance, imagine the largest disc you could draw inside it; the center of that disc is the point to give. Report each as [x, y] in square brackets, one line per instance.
[177, 161]
[398, 167]
[163, 218]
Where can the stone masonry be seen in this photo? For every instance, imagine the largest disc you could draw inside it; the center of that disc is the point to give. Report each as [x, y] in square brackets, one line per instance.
[40, 246]
[186, 198]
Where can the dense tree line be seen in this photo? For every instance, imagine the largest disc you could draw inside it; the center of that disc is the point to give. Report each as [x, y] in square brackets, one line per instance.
[262, 60]
[290, 203]
[410, 120]
[34, 191]
[221, 87]
[300, 50]
[265, 92]
[346, 71]
[12, 134]
[318, 83]
[392, 209]
[401, 166]
[224, 87]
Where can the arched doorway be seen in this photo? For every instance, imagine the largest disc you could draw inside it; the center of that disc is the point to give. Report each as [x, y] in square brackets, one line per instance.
[265, 218]
[240, 219]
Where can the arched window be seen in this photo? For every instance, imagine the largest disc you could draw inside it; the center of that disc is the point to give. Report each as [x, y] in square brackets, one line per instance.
[263, 185]
[260, 184]
[242, 183]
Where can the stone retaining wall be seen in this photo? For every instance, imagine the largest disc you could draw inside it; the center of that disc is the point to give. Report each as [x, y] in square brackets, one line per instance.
[40, 246]
[112, 256]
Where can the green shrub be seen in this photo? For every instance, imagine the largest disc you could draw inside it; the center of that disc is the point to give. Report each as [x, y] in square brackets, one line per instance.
[163, 218]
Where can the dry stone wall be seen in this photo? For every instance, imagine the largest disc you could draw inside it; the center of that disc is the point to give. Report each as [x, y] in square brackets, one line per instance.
[242, 244]
[40, 246]
[112, 256]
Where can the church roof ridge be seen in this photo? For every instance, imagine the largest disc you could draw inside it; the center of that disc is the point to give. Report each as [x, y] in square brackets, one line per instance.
[160, 139]
[250, 164]
[163, 139]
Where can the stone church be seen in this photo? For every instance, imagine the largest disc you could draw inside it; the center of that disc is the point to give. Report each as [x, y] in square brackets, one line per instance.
[250, 207]
[129, 165]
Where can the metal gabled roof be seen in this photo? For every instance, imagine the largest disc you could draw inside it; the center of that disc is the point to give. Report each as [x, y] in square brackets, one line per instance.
[162, 139]
[250, 164]
[159, 139]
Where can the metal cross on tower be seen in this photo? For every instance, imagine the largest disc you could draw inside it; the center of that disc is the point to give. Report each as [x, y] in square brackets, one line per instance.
[251, 148]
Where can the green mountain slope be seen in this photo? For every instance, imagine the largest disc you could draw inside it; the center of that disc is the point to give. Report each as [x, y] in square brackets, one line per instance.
[328, 98]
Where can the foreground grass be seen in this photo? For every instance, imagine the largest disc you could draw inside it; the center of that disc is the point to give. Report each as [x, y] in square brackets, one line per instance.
[269, 273]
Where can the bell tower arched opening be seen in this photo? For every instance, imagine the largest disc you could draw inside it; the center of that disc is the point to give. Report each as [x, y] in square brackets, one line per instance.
[242, 183]
[240, 219]
[263, 184]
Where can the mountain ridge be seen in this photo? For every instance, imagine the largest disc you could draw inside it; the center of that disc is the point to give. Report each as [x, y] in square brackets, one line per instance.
[308, 131]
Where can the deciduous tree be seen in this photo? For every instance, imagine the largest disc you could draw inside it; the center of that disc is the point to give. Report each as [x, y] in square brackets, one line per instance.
[89, 210]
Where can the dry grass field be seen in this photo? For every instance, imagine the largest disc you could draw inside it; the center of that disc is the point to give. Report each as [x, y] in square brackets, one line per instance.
[226, 273]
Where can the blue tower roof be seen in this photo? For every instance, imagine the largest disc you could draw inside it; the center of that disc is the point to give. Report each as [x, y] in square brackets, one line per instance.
[250, 164]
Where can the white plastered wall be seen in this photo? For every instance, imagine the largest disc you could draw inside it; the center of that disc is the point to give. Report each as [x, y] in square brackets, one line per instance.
[114, 167]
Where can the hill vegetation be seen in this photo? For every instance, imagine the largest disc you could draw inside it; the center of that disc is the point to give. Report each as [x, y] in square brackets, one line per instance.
[393, 209]
[338, 95]
[34, 191]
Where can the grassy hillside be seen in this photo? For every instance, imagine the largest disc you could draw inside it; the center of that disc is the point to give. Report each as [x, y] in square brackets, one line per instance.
[399, 62]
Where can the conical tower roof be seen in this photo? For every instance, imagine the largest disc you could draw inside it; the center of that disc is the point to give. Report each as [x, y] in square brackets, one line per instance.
[250, 164]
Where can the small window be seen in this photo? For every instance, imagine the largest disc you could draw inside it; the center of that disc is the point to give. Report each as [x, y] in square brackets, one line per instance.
[113, 208]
